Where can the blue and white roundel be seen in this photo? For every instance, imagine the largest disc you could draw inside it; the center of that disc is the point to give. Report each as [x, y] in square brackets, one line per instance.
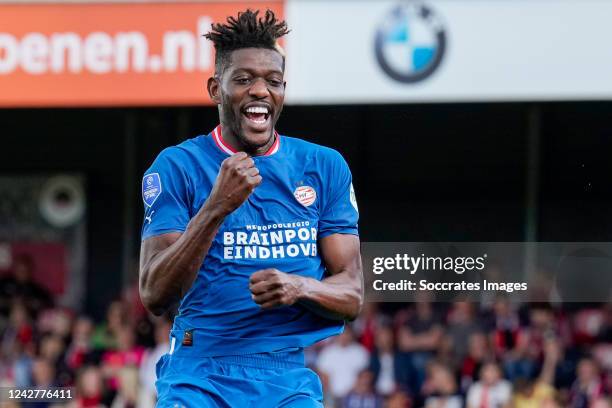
[410, 43]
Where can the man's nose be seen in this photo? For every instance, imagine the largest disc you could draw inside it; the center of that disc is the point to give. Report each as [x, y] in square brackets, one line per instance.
[259, 89]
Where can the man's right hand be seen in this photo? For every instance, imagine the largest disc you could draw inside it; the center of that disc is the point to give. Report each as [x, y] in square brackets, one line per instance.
[169, 263]
[235, 182]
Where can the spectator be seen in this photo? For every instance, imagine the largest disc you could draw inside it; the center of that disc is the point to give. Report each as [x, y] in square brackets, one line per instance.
[602, 402]
[478, 352]
[399, 399]
[105, 334]
[363, 394]
[440, 388]
[461, 326]
[532, 394]
[19, 330]
[18, 345]
[588, 385]
[80, 345]
[57, 321]
[52, 349]
[89, 388]
[587, 325]
[538, 393]
[19, 285]
[148, 393]
[128, 388]
[492, 391]
[43, 374]
[342, 361]
[506, 326]
[366, 324]
[418, 340]
[383, 362]
[126, 354]
[522, 360]
[602, 354]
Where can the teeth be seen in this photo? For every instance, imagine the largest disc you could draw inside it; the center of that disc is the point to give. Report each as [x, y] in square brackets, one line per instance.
[257, 109]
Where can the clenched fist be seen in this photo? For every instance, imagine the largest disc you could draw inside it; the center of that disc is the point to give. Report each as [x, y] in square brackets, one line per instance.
[236, 180]
[271, 287]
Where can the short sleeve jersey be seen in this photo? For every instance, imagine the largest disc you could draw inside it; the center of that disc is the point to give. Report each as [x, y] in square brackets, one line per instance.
[306, 194]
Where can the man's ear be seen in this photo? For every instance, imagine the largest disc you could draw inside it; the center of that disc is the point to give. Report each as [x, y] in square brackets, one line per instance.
[214, 87]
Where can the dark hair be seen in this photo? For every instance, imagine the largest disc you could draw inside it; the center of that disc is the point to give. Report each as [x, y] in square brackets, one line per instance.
[245, 31]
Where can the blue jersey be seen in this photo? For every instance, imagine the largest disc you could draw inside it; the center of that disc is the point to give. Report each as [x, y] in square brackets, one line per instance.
[306, 194]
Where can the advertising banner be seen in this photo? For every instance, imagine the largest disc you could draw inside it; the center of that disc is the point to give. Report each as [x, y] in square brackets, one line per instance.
[393, 51]
[110, 54]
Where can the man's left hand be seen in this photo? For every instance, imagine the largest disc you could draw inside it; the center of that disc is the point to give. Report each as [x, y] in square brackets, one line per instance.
[271, 288]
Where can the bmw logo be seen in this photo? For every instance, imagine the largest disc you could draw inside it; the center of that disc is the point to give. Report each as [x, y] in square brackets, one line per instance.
[411, 42]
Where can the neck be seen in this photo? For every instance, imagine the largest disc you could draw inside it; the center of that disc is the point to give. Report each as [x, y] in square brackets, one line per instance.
[230, 138]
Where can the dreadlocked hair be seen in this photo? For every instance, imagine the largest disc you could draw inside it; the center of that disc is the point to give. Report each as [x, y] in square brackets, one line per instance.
[245, 31]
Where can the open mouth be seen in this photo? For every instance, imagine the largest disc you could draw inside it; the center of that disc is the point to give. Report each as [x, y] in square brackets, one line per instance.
[258, 115]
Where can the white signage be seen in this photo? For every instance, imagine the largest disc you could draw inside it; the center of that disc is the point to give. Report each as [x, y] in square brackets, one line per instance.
[387, 51]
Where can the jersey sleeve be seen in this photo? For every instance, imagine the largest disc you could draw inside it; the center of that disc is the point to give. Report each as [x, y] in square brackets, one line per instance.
[165, 193]
[340, 213]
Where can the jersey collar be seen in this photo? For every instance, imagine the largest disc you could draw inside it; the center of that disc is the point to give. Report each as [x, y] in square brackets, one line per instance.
[217, 136]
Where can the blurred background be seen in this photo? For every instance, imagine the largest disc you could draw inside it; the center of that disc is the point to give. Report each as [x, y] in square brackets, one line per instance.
[462, 120]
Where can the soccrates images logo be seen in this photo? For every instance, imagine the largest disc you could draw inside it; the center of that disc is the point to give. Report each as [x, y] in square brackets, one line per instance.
[411, 42]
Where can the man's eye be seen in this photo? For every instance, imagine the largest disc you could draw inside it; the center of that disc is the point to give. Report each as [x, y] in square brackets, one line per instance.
[275, 82]
[242, 81]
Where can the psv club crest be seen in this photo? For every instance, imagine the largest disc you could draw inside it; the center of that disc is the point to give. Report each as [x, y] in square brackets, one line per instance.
[305, 195]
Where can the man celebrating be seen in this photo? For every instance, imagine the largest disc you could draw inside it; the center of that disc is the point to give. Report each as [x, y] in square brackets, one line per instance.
[255, 233]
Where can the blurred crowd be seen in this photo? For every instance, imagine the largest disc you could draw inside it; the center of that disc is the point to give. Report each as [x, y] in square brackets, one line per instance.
[425, 354]
[110, 363]
[461, 354]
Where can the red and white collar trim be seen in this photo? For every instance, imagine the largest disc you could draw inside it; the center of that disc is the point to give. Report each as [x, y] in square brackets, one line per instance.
[225, 147]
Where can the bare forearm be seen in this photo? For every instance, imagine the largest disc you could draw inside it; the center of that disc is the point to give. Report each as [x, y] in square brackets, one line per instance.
[338, 297]
[170, 262]
[169, 275]
[547, 375]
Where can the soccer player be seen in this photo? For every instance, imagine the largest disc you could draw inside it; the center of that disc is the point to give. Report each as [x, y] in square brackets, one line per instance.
[255, 233]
